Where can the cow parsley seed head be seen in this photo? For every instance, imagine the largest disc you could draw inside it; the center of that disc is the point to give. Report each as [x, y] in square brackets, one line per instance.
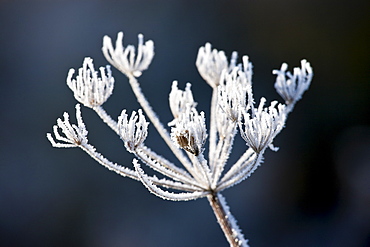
[74, 135]
[133, 131]
[292, 86]
[179, 99]
[235, 92]
[262, 125]
[211, 63]
[88, 88]
[190, 131]
[125, 59]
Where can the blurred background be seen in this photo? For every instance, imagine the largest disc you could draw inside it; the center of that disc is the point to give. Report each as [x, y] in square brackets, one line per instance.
[314, 191]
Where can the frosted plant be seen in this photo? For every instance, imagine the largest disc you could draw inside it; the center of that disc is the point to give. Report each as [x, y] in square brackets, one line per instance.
[232, 108]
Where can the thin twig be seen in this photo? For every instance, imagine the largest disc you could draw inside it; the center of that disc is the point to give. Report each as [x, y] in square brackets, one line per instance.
[226, 221]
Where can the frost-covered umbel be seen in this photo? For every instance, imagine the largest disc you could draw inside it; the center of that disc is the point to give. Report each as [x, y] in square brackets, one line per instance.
[233, 109]
[88, 88]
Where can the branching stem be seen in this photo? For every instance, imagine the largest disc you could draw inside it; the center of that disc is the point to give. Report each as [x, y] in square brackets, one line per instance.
[157, 124]
[106, 118]
[226, 221]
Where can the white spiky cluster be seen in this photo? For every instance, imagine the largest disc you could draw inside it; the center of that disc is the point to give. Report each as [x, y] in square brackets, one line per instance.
[211, 63]
[89, 89]
[232, 108]
[190, 131]
[235, 90]
[292, 89]
[74, 135]
[125, 59]
[179, 100]
[262, 125]
[133, 131]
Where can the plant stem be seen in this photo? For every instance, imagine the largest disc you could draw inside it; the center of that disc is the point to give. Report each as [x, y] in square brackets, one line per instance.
[226, 220]
[106, 118]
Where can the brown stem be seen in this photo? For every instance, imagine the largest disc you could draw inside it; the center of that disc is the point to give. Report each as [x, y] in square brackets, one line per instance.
[225, 220]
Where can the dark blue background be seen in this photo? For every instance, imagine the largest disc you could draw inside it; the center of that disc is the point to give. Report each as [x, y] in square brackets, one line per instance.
[314, 192]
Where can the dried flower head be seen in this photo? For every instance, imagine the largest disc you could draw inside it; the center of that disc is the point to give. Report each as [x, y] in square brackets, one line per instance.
[133, 131]
[292, 86]
[235, 90]
[74, 135]
[211, 63]
[262, 125]
[179, 99]
[89, 89]
[125, 59]
[190, 131]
